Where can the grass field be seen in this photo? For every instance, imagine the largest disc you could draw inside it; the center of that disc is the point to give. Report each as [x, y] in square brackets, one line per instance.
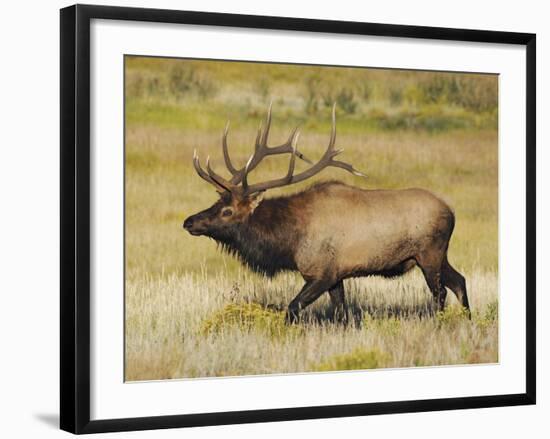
[192, 311]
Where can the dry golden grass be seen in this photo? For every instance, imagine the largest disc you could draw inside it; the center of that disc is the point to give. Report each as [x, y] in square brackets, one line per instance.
[162, 188]
[177, 285]
[174, 328]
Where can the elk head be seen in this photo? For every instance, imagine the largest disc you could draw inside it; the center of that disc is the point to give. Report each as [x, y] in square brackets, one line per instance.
[238, 199]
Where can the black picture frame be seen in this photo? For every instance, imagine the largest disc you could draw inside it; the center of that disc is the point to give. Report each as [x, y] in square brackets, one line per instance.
[75, 217]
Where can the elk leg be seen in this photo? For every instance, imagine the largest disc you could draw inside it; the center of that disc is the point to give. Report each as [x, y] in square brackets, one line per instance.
[430, 262]
[338, 300]
[431, 268]
[309, 293]
[453, 280]
[433, 279]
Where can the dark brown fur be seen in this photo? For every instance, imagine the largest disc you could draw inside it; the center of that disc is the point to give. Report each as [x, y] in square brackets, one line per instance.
[331, 232]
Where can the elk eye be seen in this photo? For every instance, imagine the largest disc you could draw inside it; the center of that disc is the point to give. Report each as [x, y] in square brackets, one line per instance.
[227, 212]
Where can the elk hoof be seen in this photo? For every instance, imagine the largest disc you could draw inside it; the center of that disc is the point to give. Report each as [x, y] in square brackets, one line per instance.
[340, 317]
[291, 317]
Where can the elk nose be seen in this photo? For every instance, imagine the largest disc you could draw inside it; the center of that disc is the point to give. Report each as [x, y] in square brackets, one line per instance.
[188, 223]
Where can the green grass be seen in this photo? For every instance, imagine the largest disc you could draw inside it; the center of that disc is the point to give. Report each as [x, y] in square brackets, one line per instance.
[357, 359]
[193, 311]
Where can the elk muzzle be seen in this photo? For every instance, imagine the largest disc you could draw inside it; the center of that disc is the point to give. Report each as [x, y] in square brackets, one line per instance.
[194, 225]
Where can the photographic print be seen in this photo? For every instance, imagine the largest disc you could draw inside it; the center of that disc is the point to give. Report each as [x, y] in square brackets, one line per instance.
[284, 218]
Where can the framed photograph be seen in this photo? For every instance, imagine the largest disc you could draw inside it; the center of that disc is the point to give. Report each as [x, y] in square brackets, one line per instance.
[268, 218]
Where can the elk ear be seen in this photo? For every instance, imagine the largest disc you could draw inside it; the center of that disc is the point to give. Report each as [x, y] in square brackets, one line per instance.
[255, 200]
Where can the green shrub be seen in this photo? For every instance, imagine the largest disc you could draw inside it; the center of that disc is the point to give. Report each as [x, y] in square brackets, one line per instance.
[475, 93]
[412, 95]
[247, 317]
[367, 91]
[491, 312]
[357, 359]
[179, 80]
[396, 97]
[489, 317]
[185, 79]
[451, 316]
[436, 87]
[385, 326]
[346, 100]
[431, 118]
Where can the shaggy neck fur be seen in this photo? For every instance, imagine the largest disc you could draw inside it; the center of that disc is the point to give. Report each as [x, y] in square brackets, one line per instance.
[266, 240]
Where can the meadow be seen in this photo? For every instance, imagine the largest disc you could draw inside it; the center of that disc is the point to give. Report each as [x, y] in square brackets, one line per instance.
[192, 311]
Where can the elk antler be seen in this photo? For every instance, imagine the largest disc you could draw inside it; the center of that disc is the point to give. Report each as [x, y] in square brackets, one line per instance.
[325, 161]
[261, 150]
[220, 184]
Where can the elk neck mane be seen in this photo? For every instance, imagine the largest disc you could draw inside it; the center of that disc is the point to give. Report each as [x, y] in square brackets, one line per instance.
[266, 241]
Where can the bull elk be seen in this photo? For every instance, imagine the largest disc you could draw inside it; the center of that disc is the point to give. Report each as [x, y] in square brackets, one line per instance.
[328, 232]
